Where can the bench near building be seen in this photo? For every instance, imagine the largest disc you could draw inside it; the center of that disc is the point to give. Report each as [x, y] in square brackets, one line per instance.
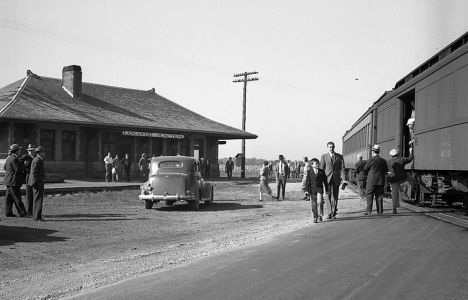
[79, 123]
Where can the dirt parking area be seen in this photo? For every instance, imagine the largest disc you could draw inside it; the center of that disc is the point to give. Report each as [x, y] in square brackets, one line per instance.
[90, 240]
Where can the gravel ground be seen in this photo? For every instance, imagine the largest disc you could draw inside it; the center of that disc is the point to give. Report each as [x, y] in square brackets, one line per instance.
[90, 240]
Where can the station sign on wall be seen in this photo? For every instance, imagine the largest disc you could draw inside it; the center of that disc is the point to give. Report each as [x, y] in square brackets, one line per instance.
[153, 134]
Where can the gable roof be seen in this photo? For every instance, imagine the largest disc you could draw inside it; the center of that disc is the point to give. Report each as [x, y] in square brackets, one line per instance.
[43, 99]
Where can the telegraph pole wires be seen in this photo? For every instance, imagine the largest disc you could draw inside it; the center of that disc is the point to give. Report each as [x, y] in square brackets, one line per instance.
[245, 79]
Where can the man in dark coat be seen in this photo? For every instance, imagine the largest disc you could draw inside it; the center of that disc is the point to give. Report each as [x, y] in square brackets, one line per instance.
[376, 168]
[360, 175]
[313, 185]
[14, 177]
[27, 160]
[397, 174]
[36, 180]
[229, 167]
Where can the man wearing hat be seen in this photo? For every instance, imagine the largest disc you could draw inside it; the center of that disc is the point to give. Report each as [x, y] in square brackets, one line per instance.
[36, 181]
[397, 174]
[376, 168]
[14, 176]
[27, 160]
[360, 175]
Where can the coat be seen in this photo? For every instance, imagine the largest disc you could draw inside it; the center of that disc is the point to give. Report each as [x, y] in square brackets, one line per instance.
[285, 169]
[27, 161]
[396, 167]
[376, 168]
[334, 168]
[359, 170]
[314, 183]
[14, 171]
[37, 173]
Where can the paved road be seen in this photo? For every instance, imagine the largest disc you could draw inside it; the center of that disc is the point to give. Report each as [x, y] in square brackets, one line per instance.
[405, 256]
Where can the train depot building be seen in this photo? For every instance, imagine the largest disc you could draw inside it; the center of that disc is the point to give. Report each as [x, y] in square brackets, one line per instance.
[79, 123]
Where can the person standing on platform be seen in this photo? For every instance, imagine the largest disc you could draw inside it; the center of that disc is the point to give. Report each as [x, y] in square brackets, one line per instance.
[116, 168]
[143, 165]
[360, 175]
[229, 167]
[376, 168]
[14, 177]
[333, 165]
[126, 163]
[108, 164]
[36, 181]
[397, 174]
[281, 173]
[27, 160]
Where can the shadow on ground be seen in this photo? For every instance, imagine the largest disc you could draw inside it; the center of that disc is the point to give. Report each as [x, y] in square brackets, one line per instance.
[211, 207]
[90, 217]
[10, 235]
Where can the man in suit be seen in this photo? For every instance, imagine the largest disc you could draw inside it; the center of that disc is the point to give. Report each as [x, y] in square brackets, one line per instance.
[27, 161]
[360, 175]
[376, 168]
[281, 174]
[333, 165]
[36, 180]
[313, 186]
[229, 167]
[397, 174]
[14, 177]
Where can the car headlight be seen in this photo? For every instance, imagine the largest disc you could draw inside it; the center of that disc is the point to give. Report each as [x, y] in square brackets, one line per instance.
[146, 187]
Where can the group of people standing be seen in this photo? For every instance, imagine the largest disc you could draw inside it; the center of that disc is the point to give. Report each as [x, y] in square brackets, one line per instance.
[117, 168]
[372, 174]
[27, 169]
[320, 177]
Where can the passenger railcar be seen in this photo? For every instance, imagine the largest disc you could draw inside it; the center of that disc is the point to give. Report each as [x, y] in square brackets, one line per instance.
[436, 95]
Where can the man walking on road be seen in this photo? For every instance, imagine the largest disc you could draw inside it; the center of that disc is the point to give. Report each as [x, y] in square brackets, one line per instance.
[376, 168]
[333, 165]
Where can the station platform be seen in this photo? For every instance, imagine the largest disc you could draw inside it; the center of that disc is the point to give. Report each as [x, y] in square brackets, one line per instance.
[72, 186]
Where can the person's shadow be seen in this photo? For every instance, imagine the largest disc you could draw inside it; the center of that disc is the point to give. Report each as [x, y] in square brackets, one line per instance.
[10, 235]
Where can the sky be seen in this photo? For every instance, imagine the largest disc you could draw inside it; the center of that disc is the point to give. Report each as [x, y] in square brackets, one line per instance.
[320, 64]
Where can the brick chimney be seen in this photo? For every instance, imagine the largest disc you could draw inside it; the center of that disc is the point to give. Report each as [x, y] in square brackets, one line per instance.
[71, 80]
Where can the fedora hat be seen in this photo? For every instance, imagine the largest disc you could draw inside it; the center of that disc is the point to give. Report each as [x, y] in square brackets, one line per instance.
[376, 148]
[393, 152]
[15, 147]
[40, 149]
[359, 155]
[31, 147]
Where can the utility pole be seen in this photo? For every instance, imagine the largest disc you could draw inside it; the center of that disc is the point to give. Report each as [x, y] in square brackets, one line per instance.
[244, 109]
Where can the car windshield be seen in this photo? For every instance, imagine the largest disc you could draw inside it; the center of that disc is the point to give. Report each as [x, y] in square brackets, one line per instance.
[171, 165]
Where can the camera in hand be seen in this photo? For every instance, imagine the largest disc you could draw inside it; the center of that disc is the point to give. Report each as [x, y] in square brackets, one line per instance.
[343, 185]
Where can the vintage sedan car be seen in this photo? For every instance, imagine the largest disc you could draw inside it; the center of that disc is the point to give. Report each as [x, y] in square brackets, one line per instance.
[175, 178]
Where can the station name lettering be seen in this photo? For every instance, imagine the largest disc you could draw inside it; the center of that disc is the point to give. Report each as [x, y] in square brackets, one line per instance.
[153, 134]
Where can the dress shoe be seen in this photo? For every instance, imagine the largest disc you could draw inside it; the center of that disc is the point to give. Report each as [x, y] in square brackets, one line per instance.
[394, 211]
[39, 219]
[320, 218]
[329, 217]
[366, 214]
[315, 220]
[28, 216]
[260, 199]
[10, 215]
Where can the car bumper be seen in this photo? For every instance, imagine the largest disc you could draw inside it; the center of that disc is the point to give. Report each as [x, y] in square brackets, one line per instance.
[176, 197]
